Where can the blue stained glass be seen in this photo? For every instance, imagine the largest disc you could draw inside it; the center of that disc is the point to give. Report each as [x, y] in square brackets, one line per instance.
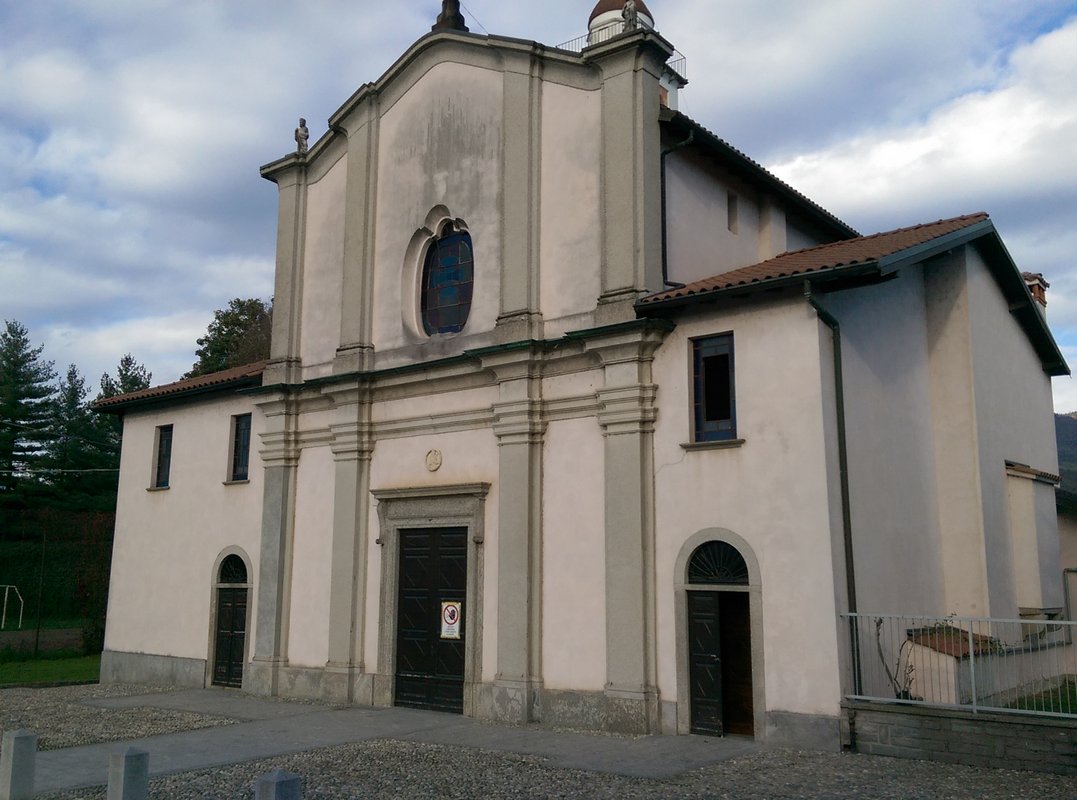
[448, 274]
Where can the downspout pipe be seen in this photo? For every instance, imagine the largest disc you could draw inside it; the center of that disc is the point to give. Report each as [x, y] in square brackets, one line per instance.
[666, 282]
[831, 322]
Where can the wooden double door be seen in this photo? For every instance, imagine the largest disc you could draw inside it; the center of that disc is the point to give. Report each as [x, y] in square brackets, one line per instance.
[720, 663]
[431, 625]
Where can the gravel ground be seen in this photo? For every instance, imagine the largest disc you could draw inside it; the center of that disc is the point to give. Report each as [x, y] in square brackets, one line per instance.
[406, 770]
[60, 720]
[389, 768]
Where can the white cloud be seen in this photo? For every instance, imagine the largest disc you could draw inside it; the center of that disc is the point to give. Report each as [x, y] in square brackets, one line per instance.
[131, 207]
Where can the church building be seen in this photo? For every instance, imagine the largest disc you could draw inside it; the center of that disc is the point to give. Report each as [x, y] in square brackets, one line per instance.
[576, 414]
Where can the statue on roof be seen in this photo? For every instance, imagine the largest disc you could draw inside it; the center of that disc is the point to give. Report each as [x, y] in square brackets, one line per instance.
[630, 14]
[301, 136]
[450, 18]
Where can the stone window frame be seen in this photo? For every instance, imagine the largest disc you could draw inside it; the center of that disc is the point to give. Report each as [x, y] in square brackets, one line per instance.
[453, 506]
[754, 589]
[700, 434]
[412, 271]
[233, 449]
[214, 585]
[162, 457]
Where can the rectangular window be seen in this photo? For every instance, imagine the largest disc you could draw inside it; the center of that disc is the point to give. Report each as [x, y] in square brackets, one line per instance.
[712, 388]
[241, 447]
[163, 464]
[732, 212]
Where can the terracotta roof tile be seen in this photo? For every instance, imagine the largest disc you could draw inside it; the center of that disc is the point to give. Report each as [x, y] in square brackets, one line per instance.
[846, 253]
[243, 374]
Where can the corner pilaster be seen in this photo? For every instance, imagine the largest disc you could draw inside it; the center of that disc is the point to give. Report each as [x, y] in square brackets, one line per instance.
[280, 456]
[632, 67]
[284, 358]
[627, 414]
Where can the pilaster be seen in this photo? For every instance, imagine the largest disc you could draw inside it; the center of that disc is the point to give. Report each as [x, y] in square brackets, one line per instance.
[362, 125]
[519, 427]
[520, 317]
[627, 413]
[352, 446]
[631, 67]
[280, 457]
[284, 359]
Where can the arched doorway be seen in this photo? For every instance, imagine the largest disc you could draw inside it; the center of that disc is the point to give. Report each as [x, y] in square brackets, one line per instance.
[230, 630]
[718, 619]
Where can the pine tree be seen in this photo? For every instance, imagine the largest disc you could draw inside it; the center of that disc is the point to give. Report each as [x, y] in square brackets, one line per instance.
[26, 395]
[81, 461]
[130, 377]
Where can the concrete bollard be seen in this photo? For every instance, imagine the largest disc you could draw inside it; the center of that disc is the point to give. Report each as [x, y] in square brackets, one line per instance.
[278, 785]
[129, 775]
[17, 755]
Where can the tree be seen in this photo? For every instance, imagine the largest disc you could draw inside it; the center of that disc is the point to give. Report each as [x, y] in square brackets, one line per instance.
[237, 335]
[26, 394]
[130, 377]
[81, 459]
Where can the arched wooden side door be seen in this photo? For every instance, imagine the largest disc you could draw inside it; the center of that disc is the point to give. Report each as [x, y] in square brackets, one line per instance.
[230, 630]
[719, 642]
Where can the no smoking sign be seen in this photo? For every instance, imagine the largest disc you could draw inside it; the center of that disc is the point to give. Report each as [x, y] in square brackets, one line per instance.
[451, 613]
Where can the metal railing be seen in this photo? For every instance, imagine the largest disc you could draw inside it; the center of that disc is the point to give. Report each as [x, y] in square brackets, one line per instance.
[677, 62]
[3, 615]
[1023, 666]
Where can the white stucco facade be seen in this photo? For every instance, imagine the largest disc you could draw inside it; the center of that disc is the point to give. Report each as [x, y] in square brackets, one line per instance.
[546, 464]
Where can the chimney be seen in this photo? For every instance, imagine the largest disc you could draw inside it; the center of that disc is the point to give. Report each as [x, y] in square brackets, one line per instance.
[1038, 287]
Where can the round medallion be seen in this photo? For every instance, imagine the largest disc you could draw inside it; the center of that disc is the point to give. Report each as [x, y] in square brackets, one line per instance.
[433, 460]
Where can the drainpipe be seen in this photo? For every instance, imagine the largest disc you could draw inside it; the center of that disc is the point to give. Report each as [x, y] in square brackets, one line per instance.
[666, 282]
[843, 468]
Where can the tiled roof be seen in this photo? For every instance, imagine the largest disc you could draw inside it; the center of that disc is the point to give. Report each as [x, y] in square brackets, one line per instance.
[846, 253]
[246, 374]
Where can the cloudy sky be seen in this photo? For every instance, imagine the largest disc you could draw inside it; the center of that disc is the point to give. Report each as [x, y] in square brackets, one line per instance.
[132, 132]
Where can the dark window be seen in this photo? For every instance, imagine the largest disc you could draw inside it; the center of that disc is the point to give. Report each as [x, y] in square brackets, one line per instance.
[241, 446]
[717, 562]
[164, 457]
[712, 388]
[233, 570]
[448, 274]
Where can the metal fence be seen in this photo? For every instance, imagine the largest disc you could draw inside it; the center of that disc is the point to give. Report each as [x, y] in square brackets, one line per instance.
[677, 62]
[1023, 666]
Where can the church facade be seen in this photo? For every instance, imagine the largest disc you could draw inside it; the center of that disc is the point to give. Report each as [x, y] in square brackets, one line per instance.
[575, 414]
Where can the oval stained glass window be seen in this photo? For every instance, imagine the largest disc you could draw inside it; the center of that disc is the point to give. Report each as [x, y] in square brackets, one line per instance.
[233, 570]
[717, 562]
[448, 275]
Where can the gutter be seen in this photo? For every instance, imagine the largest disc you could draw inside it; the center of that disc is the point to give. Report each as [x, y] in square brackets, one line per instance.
[666, 283]
[831, 322]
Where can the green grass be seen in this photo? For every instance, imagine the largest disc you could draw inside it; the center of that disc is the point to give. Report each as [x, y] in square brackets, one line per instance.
[51, 670]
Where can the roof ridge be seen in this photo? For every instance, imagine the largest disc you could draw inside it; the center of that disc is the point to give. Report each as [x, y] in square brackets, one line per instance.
[979, 215]
[829, 214]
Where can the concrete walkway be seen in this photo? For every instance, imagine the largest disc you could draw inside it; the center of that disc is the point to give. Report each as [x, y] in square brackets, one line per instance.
[272, 728]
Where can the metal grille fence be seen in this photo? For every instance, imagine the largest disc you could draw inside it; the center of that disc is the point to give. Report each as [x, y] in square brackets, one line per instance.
[1014, 665]
[677, 62]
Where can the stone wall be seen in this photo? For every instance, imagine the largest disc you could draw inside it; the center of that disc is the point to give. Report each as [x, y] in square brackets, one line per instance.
[1010, 741]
